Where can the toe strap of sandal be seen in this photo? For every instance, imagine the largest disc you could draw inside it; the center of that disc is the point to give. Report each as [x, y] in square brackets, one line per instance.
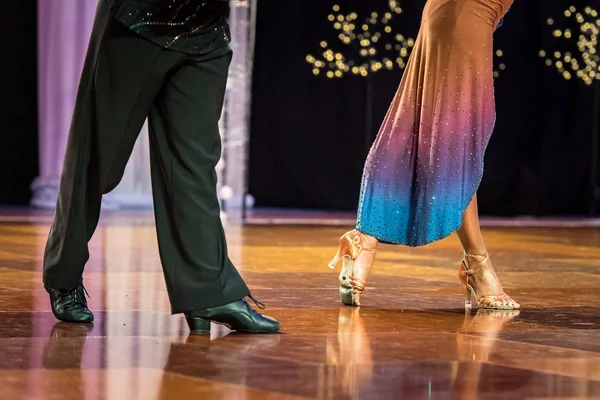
[492, 300]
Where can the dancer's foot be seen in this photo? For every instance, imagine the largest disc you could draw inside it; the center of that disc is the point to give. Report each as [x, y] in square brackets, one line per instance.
[477, 274]
[238, 316]
[70, 305]
[357, 252]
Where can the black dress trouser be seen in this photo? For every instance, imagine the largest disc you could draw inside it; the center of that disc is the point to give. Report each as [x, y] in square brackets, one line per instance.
[127, 79]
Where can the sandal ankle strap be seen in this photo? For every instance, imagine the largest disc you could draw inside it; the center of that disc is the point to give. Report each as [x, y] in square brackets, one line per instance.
[471, 270]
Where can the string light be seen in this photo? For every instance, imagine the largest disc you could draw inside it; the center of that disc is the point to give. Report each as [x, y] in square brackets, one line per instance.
[586, 64]
[501, 66]
[379, 47]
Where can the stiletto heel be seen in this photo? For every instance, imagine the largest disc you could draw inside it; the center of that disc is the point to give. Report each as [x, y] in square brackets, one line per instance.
[336, 259]
[346, 288]
[472, 278]
[351, 246]
[468, 298]
[198, 326]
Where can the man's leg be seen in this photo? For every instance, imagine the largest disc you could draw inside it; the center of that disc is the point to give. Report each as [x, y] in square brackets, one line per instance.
[112, 104]
[185, 147]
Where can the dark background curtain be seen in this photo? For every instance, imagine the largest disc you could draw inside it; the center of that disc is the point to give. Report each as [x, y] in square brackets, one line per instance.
[310, 134]
[18, 101]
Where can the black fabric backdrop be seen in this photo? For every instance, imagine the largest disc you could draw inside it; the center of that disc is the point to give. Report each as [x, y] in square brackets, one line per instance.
[18, 101]
[310, 135]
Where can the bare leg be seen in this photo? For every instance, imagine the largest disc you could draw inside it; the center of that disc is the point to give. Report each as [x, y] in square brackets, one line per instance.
[364, 262]
[371, 242]
[470, 231]
[362, 267]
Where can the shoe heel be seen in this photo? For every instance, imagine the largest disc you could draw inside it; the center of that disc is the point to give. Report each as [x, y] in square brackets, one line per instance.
[346, 296]
[468, 303]
[346, 289]
[344, 249]
[336, 259]
[198, 326]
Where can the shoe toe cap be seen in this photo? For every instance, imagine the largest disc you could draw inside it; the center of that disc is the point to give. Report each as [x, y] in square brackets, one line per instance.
[82, 316]
[269, 325]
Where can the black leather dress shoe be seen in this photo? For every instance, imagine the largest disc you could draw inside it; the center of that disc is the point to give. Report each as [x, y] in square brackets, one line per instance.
[238, 316]
[70, 305]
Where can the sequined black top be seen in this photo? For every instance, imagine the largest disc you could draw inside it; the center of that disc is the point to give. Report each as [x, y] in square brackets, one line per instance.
[189, 26]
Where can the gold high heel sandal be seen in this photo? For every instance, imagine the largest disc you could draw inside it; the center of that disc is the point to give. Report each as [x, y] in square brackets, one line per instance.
[352, 244]
[483, 272]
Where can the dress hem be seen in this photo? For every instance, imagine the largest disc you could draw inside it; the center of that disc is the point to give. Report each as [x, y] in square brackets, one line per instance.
[443, 236]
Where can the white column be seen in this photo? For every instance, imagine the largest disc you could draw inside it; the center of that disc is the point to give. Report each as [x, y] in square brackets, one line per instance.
[64, 27]
[235, 123]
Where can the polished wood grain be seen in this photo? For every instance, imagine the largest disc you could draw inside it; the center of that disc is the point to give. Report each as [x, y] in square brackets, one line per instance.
[411, 339]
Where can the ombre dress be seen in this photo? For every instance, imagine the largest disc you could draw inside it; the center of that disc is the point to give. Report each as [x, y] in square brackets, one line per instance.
[427, 161]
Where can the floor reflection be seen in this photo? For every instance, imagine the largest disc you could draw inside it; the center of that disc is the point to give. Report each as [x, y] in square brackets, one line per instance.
[356, 361]
[355, 374]
[64, 351]
[222, 364]
[474, 351]
[349, 355]
[412, 340]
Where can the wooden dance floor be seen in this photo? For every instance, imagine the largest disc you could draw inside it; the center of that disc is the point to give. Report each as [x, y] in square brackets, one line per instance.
[411, 340]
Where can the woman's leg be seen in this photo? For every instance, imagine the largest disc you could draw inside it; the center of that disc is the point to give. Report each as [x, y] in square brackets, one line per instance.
[477, 270]
[470, 232]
